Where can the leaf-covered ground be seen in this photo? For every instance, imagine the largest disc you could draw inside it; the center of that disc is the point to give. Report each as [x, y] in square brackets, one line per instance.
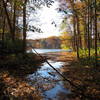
[84, 76]
[13, 85]
[13, 69]
[12, 88]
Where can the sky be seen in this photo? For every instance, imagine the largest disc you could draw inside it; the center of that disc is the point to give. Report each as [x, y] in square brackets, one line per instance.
[48, 19]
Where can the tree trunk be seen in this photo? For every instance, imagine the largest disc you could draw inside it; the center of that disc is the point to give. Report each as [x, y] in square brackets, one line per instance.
[24, 26]
[77, 37]
[14, 21]
[8, 19]
[85, 32]
[74, 37]
[95, 34]
[88, 29]
[3, 32]
[74, 27]
[78, 31]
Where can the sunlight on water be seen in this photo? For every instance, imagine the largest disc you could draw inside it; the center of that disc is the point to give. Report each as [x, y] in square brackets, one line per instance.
[46, 70]
[51, 83]
[48, 50]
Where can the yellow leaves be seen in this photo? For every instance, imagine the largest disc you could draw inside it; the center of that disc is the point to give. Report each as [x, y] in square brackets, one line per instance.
[65, 40]
[80, 5]
[65, 36]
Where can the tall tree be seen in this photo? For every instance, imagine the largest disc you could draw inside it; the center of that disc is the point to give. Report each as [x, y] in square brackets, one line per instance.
[14, 20]
[24, 25]
[7, 16]
[88, 27]
[95, 16]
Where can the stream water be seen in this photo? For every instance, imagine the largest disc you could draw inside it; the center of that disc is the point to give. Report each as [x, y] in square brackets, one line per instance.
[49, 82]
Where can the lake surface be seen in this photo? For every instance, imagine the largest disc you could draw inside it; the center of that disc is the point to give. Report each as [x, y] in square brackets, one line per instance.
[48, 50]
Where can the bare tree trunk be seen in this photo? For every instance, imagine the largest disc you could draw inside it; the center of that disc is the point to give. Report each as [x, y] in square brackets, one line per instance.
[95, 34]
[24, 26]
[77, 37]
[74, 31]
[85, 32]
[91, 26]
[3, 29]
[8, 19]
[14, 21]
[88, 29]
[78, 31]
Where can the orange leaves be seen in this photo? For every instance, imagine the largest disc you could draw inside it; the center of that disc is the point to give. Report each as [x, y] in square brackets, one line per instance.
[80, 5]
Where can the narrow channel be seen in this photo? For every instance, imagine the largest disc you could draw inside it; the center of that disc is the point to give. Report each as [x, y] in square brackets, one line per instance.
[48, 81]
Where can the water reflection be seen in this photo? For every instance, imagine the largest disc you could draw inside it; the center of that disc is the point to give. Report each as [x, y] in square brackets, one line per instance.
[56, 92]
[48, 81]
[47, 71]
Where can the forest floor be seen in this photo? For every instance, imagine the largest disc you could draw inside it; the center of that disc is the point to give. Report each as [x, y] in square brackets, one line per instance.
[13, 70]
[85, 77]
[13, 85]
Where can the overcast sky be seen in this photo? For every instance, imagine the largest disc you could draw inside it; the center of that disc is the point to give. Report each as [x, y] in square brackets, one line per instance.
[48, 19]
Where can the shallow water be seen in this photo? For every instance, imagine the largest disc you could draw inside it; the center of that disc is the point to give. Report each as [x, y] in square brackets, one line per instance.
[48, 81]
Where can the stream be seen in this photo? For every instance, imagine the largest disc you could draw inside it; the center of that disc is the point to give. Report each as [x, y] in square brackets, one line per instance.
[49, 82]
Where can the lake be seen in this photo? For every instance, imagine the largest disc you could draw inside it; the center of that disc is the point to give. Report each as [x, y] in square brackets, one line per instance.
[48, 50]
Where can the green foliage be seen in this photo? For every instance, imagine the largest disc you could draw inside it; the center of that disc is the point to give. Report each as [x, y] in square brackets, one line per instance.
[84, 52]
[84, 58]
[64, 46]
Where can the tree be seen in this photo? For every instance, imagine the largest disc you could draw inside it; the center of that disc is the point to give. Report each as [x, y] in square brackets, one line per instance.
[24, 25]
[95, 16]
[84, 19]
